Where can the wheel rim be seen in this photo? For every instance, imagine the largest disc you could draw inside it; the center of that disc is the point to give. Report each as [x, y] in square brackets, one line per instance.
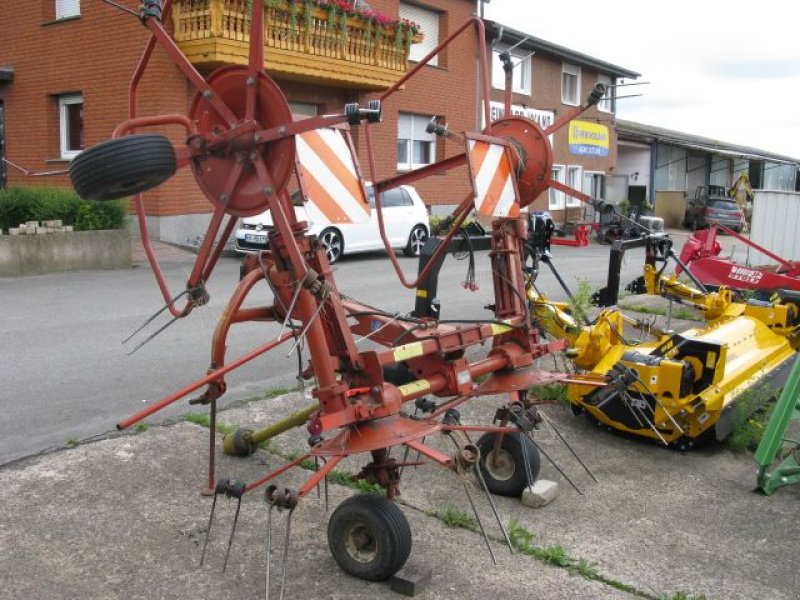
[360, 544]
[333, 245]
[500, 465]
[418, 239]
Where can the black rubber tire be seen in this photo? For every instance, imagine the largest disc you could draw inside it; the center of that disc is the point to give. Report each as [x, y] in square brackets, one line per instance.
[122, 167]
[369, 537]
[416, 240]
[398, 374]
[333, 242]
[510, 479]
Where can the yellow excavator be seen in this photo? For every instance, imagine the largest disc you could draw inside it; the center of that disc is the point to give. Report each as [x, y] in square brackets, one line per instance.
[678, 388]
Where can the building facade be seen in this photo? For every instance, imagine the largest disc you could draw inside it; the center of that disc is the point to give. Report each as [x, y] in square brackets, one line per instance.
[668, 166]
[548, 81]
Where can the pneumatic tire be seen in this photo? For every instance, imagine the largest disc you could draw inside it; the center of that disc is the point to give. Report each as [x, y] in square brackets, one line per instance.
[505, 474]
[369, 537]
[122, 167]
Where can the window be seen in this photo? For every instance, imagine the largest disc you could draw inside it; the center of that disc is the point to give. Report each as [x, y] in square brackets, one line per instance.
[574, 180]
[390, 198]
[70, 117]
[570, 84]
[428, 22]
[304, 108]
[671, 164]
[594, 184]
[521, 79]
[556, 198]
[606, 103]
[68, 8]
[415, 147]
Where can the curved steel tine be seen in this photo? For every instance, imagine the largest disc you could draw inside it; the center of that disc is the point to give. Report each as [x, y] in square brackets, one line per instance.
[233, 531]
[208, 529]
[479, 475]
[552, 462]
[561, 437]
[286, 552]
[269, 546]
[151, 336]
[153, 317]
[478, 519]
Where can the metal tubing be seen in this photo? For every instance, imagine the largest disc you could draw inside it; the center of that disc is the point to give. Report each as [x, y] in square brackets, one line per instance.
[210, 377]
[296, 419]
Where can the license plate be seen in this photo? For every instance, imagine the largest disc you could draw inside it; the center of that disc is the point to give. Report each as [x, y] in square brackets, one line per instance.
[256, 238]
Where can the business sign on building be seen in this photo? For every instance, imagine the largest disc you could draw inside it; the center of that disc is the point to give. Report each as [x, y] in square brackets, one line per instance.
[588, 139]
[543, 118]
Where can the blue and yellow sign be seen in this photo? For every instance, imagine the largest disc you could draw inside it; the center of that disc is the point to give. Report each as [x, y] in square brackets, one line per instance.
[588, 139]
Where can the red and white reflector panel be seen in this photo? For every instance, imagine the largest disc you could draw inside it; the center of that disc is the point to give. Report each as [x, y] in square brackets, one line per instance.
[330, 178]
[493, 179]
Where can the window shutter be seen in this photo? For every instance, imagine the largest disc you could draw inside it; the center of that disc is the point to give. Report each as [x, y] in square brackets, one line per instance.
[67, 8]
[428, 22]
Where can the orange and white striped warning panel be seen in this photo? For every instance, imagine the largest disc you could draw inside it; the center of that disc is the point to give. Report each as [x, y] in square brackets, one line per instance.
[493, 179]
[329, 177]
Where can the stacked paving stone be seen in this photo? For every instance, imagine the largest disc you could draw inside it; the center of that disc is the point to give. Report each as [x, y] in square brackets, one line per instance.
[34, 228]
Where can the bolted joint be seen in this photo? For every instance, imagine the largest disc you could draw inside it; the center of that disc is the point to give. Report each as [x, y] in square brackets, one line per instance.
[150, 9]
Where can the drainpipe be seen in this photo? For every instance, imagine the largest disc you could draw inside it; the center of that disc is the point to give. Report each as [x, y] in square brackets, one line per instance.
[651, 192]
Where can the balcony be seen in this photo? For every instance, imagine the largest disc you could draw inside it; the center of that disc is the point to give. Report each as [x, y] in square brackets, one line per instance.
[304, 41]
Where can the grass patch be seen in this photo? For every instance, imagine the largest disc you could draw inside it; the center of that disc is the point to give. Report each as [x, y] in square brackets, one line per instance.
[141, 427]
[204, 420]
[680, 312]
[279, 391]
[73, 443]
[681, 596]
[551, 392]
[581, 302]
[752, 413]
[457, 518]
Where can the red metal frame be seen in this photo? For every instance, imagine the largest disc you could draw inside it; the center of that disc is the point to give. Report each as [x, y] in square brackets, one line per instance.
[243, 159]
[700, 253]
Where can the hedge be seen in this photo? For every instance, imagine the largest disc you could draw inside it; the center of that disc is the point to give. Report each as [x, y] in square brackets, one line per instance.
[46, 203]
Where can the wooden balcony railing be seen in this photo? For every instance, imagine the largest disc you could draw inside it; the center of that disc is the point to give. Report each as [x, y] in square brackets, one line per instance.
[303, 41]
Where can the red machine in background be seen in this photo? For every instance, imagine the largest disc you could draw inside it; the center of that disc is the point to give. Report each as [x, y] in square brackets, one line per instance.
[242, 146]
[701, 255]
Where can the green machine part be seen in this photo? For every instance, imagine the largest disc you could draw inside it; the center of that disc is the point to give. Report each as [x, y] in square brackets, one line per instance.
[786, 410]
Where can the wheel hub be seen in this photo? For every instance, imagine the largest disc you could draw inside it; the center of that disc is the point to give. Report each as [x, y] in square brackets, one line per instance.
[500, 465]
[361, 544]
[234, 148]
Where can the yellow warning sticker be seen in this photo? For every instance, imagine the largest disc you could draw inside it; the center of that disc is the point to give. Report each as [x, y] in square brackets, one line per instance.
[497, 329]
[407, 351]
[420, 386]
[422, 293]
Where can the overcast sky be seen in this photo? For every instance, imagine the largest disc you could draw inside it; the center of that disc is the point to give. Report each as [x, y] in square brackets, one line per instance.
[728, 70]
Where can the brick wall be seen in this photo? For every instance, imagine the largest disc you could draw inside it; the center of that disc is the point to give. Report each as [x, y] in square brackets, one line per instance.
[93, 55]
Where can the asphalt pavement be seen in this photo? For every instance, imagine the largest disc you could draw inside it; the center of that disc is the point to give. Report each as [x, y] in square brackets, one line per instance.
[67, 376]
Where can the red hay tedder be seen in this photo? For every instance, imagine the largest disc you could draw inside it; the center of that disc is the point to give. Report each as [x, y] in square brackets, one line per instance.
[242, 146]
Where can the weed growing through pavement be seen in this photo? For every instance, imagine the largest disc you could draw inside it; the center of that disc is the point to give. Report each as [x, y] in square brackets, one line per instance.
[455, 517]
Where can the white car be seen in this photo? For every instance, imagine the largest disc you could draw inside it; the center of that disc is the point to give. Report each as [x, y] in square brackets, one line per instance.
[404, 216]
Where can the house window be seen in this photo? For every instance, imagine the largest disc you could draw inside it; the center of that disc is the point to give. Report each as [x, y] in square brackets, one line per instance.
[574, 180]
[415, 147]
[68, 8]
[304, 108]
[556, 197]
[521, 75]
[570, 84]
[70, 117]
[428, 21]
[606, 103]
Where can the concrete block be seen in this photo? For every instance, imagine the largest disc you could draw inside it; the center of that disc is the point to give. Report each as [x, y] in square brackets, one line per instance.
[541, 493]
[411, 580]
[14, 231]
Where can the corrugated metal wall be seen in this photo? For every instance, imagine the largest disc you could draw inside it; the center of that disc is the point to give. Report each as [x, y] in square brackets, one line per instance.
[775, 225]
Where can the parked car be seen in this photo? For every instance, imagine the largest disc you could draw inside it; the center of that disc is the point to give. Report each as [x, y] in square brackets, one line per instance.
[404, 215]
[712, 205]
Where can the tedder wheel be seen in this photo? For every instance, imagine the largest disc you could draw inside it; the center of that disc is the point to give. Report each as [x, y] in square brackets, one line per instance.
[416, 240]
[369, 537]
[505, 473]
[122, 167]
[332, 240]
